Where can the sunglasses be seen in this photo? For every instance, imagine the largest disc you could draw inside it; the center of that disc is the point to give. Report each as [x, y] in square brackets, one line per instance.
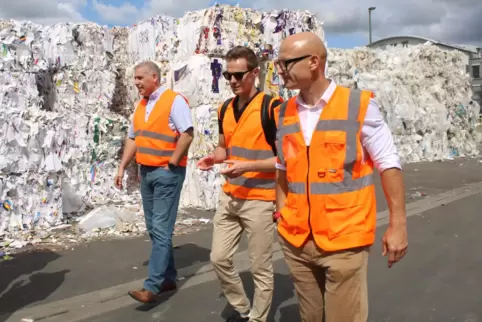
[237, 75]
[283, 64]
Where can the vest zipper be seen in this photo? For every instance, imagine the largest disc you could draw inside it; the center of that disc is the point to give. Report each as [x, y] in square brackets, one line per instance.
[308, 188]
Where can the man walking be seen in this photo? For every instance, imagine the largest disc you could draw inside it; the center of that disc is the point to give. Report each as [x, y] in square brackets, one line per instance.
[329, 140]
[159, 137]
[247, 133]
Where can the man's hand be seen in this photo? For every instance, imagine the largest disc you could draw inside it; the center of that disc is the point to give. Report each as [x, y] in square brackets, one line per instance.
[118, 178]
[236, 168]
[395, 243]
[206, 163]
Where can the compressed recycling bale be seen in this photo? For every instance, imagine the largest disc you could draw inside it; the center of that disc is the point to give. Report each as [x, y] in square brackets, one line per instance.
[56, 86]
[145, 37]
[206, 89]
[215, 30]
[424, 93]
[201, 188]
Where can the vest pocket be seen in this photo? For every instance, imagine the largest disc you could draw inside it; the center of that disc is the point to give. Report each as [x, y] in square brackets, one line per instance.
[334, 147]
[344, 214]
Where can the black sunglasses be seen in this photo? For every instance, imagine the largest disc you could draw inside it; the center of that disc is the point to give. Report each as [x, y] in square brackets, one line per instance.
[284, 63]
[237, 75]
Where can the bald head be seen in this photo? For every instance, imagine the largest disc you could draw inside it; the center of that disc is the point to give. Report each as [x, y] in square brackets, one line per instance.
[304, 43]
[301, 60]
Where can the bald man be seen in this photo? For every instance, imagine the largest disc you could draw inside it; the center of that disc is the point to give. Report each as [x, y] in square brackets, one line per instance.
[329, 140]
[159, 137]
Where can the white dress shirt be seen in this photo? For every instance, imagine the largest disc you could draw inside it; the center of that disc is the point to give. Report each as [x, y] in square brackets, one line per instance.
[376, 138]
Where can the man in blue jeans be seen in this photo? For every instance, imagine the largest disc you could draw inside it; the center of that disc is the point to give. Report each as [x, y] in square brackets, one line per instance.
[159, 137]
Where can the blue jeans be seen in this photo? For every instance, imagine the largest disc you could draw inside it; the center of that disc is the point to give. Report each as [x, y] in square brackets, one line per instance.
[161, 191]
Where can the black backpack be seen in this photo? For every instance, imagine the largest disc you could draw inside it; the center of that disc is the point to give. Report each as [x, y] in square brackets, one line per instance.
[267, 120]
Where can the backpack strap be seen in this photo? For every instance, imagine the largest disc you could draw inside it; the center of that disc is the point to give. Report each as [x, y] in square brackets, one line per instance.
[222, 112]
[268, 123]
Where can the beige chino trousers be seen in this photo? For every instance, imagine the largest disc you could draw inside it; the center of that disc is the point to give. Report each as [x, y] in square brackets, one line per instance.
[331, 286]
[232, 217]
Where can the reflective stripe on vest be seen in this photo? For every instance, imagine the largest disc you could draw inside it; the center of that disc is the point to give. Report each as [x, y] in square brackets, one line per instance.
[350, 127]
[331, 195]
[245, 141]
[155, 140]
[252, 155]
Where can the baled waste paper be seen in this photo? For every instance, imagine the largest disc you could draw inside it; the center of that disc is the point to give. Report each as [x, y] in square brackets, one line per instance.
[67, 96]
[425, 95]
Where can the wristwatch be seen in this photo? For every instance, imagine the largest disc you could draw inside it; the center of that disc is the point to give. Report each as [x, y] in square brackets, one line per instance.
[171, 166]
[276, 216]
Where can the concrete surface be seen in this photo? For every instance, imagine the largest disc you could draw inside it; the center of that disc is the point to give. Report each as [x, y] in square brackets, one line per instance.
[438, 281]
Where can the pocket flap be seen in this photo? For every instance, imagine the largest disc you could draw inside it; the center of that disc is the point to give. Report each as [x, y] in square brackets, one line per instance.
[335, 137]
[341, 201]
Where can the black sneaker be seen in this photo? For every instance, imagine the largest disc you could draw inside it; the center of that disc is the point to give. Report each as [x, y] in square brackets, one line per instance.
[236, 317]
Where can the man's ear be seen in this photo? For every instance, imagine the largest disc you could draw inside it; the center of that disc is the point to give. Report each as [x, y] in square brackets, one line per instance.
[315, 63]
[256, 71]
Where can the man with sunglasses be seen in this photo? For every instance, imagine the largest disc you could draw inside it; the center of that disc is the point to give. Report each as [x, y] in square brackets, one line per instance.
[330, 139]
[247, 133]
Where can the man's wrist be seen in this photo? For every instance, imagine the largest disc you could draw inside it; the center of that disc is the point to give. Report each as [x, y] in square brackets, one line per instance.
[398, 219]
[276, 216]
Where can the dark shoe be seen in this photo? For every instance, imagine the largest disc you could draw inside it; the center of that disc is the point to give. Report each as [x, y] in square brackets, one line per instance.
[236, 317]
[167, 287]
[143, 296]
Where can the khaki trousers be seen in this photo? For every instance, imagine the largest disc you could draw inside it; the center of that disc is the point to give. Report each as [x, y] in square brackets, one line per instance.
[331, 286]
[232, 217]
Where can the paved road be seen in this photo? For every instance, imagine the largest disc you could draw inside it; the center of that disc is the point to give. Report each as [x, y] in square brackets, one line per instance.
[438, 281]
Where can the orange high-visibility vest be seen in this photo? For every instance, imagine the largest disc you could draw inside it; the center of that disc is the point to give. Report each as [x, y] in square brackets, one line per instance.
[330, 188]
[155, 140]
[245, 140]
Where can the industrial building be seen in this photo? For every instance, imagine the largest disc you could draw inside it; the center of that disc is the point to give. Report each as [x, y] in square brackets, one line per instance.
[472, 54]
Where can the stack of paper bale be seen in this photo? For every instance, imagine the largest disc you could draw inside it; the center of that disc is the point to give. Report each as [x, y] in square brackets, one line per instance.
[56, 89]
[218, 29]
[424, 93]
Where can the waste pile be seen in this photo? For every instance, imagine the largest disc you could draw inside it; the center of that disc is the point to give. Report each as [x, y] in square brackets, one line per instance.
[66, 93]
[425, 96]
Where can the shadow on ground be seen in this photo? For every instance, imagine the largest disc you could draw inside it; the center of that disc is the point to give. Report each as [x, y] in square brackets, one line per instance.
[284, 291]
[22, 283]
[188, 254]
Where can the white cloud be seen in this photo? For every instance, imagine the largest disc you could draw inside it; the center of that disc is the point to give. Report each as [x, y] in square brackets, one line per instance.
[445, 20]
[456, 22]
[43, 11]
[116, 14]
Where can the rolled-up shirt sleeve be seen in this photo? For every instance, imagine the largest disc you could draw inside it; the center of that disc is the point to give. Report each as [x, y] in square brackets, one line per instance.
[377, 140]
[181, 115]
[130, 132]
[279, 166]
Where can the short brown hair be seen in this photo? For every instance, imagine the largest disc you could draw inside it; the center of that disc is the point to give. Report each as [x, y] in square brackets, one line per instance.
[243, 52]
